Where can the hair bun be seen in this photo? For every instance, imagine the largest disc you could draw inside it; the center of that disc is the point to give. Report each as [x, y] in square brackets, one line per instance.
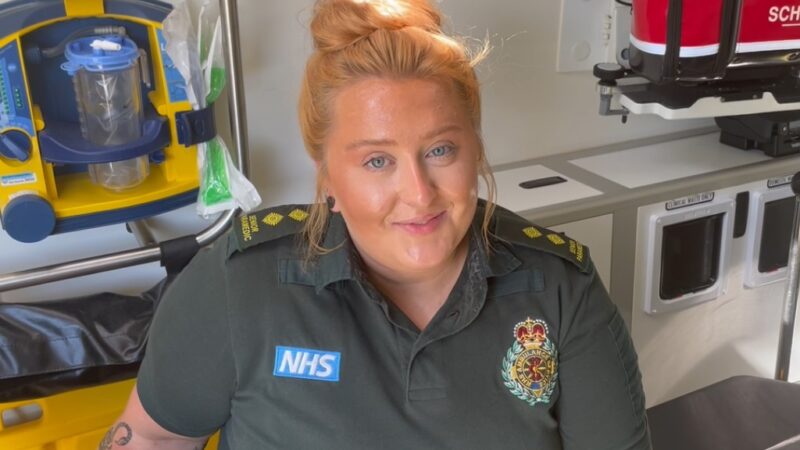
[340, 23]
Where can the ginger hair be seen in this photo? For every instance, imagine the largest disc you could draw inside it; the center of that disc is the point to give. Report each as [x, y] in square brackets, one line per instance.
[360, 39]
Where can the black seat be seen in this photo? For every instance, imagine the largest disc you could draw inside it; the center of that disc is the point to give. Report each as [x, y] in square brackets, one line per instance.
[740, 413]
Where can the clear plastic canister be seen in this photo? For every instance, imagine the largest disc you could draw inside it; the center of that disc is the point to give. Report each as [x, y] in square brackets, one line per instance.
[109, 105]
[120, 175]
[105, 74]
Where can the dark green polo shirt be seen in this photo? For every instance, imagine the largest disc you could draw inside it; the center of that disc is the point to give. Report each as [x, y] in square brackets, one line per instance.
[527, 352]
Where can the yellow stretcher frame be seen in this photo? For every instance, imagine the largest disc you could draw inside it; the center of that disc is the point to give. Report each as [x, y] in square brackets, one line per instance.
[74, 420]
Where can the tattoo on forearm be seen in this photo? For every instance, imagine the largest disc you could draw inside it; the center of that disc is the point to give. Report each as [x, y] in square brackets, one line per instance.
[122, 438]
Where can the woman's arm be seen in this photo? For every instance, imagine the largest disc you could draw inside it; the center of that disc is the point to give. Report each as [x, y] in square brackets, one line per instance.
[136, 430]
[601, 404]
[187, 376]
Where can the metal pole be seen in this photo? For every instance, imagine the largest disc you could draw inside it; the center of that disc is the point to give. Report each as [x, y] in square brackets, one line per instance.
[790, 299]
[81, 267]
[233, 59]
[104, 263]
[141, 231]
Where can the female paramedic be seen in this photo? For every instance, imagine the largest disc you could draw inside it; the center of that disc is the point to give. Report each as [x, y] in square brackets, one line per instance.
[400, 311]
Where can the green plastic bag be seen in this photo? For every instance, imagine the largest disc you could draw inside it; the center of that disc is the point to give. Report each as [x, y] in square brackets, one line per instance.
[198, 57]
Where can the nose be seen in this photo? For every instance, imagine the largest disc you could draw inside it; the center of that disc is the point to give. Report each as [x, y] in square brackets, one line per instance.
[416, 185]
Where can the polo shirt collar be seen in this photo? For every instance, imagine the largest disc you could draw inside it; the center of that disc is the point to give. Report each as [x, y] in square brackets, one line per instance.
[498, 260]
[341, 261]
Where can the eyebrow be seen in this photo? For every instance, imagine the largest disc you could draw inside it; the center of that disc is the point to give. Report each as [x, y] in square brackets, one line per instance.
[390, 142]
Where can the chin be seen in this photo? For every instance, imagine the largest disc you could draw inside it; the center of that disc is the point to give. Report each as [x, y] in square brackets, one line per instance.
[427, 257]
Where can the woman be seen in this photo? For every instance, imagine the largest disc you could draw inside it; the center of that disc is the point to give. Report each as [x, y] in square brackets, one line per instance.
[399, 311]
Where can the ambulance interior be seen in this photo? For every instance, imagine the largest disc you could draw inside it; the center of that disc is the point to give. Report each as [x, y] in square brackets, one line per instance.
[662, 134]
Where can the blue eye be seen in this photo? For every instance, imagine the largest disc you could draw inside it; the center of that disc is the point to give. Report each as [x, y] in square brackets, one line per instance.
[441, 151]
[377, 163]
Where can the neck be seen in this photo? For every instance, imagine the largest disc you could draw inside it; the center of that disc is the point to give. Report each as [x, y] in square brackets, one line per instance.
[420, 295]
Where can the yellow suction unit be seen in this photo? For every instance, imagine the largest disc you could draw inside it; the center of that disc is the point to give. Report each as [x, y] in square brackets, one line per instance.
[95, 126]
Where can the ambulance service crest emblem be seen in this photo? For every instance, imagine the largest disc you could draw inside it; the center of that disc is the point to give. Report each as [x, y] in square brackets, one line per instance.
[530, 365]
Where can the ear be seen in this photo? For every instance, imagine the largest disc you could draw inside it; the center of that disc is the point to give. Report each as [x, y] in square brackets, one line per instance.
[334, 207]
[324, 184]
[330, 198]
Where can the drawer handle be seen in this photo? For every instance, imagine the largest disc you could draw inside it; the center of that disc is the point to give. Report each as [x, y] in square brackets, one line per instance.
[21, 415]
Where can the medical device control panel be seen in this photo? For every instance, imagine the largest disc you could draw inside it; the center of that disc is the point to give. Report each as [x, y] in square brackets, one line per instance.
[15, 110]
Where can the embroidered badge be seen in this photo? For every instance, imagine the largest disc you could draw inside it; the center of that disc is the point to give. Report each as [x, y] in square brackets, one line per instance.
[307, 363]
[530, 367]
[272, 219]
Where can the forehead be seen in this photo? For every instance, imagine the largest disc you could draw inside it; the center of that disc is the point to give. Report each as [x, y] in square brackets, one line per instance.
[380, 105]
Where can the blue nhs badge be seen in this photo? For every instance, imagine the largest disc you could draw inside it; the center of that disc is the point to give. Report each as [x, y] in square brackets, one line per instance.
[293, 362]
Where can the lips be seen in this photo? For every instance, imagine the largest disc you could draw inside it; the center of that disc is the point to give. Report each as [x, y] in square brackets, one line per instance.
[422, 224]
[422, 220]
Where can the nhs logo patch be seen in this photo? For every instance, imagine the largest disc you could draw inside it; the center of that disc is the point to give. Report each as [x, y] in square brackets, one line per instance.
[293, 362]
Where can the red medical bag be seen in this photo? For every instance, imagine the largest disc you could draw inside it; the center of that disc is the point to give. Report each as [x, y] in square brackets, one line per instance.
[710, 40]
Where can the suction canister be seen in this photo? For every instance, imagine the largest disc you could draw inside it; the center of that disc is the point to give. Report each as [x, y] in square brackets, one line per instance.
[105, 73]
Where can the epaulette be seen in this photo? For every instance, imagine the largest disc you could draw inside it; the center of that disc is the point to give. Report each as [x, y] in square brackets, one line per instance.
[513, 228]
[268, 224]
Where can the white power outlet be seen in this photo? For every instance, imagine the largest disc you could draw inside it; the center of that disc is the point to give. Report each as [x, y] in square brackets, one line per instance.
[585, 34]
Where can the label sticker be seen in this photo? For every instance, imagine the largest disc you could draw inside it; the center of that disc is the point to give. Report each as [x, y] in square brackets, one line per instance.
[696, 199]
[18, 179]
[306, 363]
[775, 182]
